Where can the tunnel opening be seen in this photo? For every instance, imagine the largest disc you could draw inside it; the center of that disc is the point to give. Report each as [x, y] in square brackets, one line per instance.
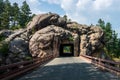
[66, 50]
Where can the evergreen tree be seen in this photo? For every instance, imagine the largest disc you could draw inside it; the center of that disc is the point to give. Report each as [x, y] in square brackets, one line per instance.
[15, 15]
[25, 14]
[1, 6]
[5, 16]
[65, 16]
[1, 11]
[101, 23]
[115, 45]
[112, 43]
[118, 48]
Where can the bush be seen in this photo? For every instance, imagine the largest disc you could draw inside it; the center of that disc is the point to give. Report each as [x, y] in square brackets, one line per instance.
[71, 38]
[28, 58]
[15, 27]
[2, 38]
[4, 48]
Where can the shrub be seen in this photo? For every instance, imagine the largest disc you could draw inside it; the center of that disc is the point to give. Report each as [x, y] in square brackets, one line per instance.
[4, 48]
[15, 27]
[2, 38]
[28, 58]
[71, 38]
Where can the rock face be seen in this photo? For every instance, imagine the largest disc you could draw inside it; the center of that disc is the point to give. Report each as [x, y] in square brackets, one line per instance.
[18, 45]
[91, 37]
[6, 33]
[43, 20]
[88, 39]
[46, 33]
[43, 41]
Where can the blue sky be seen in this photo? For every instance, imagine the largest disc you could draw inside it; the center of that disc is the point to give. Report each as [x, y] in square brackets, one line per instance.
[83, 11]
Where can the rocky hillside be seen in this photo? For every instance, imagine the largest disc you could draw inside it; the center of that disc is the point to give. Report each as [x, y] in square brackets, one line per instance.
[43, 36]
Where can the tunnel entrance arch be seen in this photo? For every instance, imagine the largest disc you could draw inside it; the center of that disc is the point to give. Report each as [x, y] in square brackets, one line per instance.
[66, 50]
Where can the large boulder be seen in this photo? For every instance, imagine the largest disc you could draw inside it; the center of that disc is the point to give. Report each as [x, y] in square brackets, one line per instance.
[17, 33]
[18, 45]
[91, 37]
[43, 20]
[42, 42]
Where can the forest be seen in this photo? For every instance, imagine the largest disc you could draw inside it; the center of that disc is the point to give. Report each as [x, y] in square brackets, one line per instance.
[112, 41]
[13, 16]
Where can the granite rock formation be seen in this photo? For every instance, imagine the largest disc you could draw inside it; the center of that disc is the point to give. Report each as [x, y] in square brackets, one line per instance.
[46, 32]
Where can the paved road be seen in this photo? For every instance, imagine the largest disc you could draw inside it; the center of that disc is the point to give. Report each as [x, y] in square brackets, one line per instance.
[68, 68]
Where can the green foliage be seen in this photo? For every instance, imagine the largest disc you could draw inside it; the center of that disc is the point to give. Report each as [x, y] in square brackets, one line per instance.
[28, 58]
[112, 42]
[5, 15]
[66, 18]
[33, 31]
[15, 15]
[71, 38]
[67, 49]
[101, 23]
[4, 48]
[25, 14]
[11, 15]
[1, 11]
[2, 38]
[15, 27]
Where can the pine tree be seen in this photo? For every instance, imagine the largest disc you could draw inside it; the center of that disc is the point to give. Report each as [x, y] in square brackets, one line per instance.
[25, 14]
[118, 48]
[65, 16]
[5, 16]
[101, 23]
[112, 43]
[15, 15]
[115, 45]
[1, 6]
[1, 11]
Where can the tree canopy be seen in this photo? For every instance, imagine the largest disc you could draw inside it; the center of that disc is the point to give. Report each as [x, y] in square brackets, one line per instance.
[12, 16]
[112, 42]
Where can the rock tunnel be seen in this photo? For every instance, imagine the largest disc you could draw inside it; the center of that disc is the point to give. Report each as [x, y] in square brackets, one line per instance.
[63, 39]
[50, 33]
[66, 50]
[54, 40]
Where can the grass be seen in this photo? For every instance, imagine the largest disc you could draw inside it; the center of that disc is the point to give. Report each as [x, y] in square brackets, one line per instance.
[116, 59]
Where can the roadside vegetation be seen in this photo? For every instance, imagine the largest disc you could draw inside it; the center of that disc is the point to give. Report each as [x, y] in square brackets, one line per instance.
[12, 17]
[112, 41]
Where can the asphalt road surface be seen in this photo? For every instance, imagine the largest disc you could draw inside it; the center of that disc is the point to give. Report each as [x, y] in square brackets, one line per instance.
[68, 68]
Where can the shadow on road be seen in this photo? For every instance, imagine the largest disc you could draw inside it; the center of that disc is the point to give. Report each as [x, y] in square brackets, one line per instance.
[69, 71]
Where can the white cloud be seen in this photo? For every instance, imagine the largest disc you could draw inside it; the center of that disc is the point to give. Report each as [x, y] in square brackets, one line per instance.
[82, 11]
[33, 1]
[67, 4]
[89, 11]
[53, 1]
[86, 11]
[83, 4]
[102, 4]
